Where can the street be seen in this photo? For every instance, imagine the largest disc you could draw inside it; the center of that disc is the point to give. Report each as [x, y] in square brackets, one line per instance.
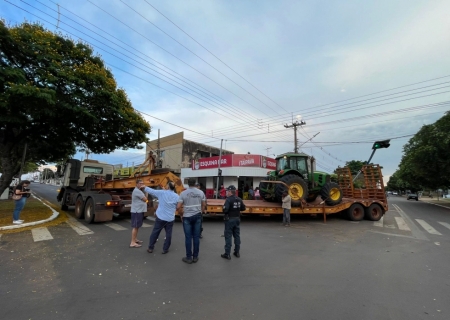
[396, 268]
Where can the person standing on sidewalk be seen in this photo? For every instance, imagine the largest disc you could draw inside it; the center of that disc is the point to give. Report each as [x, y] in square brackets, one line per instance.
[286, 205]
[22, 191]
[165, 215]
[138, 208]
[232, 210]
[193, 201]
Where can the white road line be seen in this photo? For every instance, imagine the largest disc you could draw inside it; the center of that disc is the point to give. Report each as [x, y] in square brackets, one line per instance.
[79, 228]
[144, 225]
[402, 224]
[41, 234]
[428, 228]
[379, 223]
[445, 224]
[115, 226]
[416, 232]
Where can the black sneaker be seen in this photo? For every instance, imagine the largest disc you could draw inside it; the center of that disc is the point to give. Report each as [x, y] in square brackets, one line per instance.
[236, 254]
[195, 259]
[188, 261]
[226, 256]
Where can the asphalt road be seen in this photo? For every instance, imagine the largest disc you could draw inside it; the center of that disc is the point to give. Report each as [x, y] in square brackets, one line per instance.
[338, 270]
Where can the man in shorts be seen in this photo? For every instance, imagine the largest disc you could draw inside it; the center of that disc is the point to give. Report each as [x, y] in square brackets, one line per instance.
[138, 208]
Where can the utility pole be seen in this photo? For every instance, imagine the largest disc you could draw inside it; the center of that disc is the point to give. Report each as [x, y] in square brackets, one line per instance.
[219, 171]
[267, 150]
[295, 125]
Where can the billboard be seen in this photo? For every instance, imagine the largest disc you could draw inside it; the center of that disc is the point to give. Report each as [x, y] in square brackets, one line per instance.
[235, 160]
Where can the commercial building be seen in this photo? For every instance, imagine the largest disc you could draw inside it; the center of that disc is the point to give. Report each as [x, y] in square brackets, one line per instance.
[241, 170]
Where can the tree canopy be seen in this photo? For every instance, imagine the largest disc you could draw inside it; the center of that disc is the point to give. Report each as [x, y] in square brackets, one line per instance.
[56, 95]
[426, 157]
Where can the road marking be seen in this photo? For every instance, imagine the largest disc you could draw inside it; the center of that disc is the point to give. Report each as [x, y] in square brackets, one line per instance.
[79, 228]
[41, 234]
[428, 228]
[445, 224]
[416, 232]
[392, 234]
[379, 223]
[144, 225]
[402, 224]
[115, 226]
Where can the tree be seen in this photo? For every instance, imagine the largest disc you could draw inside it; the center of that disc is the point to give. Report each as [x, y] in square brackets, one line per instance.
[426, 157]
[57, 96]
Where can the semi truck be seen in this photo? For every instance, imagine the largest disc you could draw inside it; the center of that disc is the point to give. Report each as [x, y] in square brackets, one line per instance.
[90, 186]
[366, 199]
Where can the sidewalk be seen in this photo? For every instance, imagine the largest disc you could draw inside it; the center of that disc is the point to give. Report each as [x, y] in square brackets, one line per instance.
[36, 213]
[442, 202]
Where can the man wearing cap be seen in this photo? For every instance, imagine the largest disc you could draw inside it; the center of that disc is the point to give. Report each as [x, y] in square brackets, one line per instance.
[232, 210]
[193, 201]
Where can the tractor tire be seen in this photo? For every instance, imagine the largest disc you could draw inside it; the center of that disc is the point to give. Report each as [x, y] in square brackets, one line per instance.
[297, 189]
[89, 211]
[263, 194]
[79, 208]
[355, 212]
[331, 193]
[374, 212]
[63, 206]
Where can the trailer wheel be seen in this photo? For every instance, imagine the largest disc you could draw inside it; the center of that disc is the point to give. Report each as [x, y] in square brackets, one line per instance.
[89, 211]
[79, 208]
[64, 207]
[355, 212]
[374, 212]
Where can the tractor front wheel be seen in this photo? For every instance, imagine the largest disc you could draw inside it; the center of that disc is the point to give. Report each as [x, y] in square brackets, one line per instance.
[331, 193]
[297, 189]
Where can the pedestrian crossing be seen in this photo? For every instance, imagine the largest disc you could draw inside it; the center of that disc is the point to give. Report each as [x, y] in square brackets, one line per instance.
[400, 224]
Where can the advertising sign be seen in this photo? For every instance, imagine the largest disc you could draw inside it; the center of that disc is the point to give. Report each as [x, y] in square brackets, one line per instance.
[212, 162]
[235, 160]
[246, 160]
[268, 163]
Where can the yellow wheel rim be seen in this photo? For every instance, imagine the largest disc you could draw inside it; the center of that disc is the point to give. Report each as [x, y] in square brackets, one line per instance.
[296, 191]
[335, 194]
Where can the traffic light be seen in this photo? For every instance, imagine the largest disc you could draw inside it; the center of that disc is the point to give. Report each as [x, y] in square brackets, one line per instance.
[381, 144]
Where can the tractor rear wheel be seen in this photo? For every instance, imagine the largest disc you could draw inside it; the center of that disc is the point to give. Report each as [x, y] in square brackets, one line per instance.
[263, 194]
[297, 189]
[331, 193]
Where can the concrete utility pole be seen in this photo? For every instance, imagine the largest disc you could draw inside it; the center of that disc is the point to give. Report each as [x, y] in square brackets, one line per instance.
[219, 171]
[295, 125]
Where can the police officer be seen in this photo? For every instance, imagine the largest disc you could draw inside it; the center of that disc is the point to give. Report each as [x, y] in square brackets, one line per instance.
[232, 210]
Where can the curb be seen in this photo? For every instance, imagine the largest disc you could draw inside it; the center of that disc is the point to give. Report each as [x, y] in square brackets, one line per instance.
[439, 205]
[34, 223]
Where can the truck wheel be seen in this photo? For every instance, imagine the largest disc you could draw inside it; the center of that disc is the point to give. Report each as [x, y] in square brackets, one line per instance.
[63, 199]
[331, 193]
[297, 189]
[79, 208]
[89, 211]
[355, 212]
[374, 212]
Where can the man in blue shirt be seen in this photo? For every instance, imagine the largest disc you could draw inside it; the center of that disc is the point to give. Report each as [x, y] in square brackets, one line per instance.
[165, 215]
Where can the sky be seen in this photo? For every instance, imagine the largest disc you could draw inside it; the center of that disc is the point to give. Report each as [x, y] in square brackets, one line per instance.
[239, 71]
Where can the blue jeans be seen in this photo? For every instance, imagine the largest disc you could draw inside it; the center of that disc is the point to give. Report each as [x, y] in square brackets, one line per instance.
[18, 208]
[286, 216]
[157, 228]
[232, 229]
[192, 228]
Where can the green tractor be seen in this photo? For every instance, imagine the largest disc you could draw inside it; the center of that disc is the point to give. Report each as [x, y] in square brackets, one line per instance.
[296, 175]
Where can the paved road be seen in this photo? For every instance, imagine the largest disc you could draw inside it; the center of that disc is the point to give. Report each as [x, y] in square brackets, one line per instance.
[338, 270]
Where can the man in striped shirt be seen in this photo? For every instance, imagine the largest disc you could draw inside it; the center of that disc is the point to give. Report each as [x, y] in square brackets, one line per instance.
[165, 215]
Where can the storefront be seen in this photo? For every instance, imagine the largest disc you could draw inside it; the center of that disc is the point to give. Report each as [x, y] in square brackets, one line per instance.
[244, 171]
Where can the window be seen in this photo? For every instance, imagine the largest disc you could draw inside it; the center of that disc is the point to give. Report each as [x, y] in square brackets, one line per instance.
[94, 170]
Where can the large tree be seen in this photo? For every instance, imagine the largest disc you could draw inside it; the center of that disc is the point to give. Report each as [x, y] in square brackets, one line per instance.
[426, 158]
[56, 95]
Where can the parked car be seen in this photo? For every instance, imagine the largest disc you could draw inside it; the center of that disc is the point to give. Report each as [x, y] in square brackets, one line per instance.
[413, 196]
[395, 193]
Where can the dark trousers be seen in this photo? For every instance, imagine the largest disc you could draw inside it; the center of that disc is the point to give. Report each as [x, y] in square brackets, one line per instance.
[232, 229]
[191, 227]
[157, 228]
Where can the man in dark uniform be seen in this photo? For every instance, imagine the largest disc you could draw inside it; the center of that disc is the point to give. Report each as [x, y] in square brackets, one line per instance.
[232, 210]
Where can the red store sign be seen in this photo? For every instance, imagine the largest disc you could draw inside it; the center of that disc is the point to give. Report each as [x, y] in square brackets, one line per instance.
[235, 160]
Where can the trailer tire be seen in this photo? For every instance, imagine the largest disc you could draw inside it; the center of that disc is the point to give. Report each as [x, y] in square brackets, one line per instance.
[79, 208]
[63, 206]
[355, 212]
[374, 212]
[331, 193]
[89, 210]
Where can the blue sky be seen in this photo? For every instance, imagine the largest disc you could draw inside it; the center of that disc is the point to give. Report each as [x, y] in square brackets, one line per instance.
[279, 60]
